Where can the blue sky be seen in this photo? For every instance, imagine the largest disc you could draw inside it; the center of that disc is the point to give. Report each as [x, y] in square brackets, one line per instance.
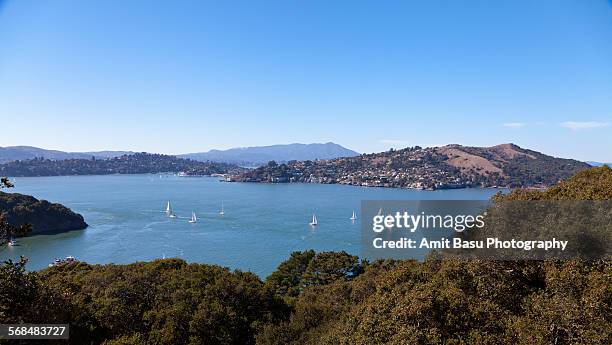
[187, 76]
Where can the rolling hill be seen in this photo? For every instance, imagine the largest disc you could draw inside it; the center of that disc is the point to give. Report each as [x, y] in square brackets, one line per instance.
[13, 153]
[137, 163]
[280, 153]
[451, 166]
[256, 155]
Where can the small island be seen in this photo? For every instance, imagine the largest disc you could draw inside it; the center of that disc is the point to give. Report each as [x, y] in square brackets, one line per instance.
[43, 216]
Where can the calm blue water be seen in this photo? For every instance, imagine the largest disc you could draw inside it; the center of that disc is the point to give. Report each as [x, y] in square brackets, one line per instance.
[263, 223]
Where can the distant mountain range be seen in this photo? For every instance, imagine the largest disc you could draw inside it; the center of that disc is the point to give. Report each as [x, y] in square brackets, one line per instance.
[451, 166]
[598, 164]
[13, 153]
[280, 153]
[247, 156]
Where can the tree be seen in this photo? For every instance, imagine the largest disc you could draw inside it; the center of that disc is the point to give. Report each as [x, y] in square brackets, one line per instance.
[328, 267]
[285, 281]
[5, 183]
[305, 269]
[7, 231]
[25, 299]
[17, 291]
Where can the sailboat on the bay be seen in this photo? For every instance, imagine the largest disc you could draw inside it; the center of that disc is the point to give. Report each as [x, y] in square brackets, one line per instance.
[354, 216]
[222, 212]
[193, 218]
[314, 220]
[169, 211]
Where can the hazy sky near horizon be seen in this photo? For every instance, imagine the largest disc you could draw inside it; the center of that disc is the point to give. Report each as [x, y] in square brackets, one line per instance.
[189, 76]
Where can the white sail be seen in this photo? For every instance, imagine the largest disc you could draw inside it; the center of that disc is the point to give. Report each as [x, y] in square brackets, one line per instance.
[314, 220]
[193, 218]
[222, 210]
[354, 216]
[169, 212]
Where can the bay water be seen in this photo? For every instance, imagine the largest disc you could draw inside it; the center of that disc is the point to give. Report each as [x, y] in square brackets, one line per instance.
[262, 225]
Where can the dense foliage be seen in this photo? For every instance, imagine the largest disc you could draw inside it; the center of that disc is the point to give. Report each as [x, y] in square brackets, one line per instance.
[44, 216]
[328, 298]
[578, 210]
[305, 269]
[456, 302]
[591, 184]
[161, 302]
[139, 163]
[390, 302]
[7, 230]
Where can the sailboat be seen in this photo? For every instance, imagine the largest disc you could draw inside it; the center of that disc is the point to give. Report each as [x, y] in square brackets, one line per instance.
[169, 211]
[314, 220]
[193, 218]
[222, 210]
[354, 216]
[11, 242]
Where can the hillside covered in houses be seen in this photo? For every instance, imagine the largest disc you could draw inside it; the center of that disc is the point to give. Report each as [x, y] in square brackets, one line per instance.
[138, 163]
[451, 166]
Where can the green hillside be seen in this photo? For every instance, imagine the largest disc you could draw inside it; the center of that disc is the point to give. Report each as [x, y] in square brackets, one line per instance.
[44, 216]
